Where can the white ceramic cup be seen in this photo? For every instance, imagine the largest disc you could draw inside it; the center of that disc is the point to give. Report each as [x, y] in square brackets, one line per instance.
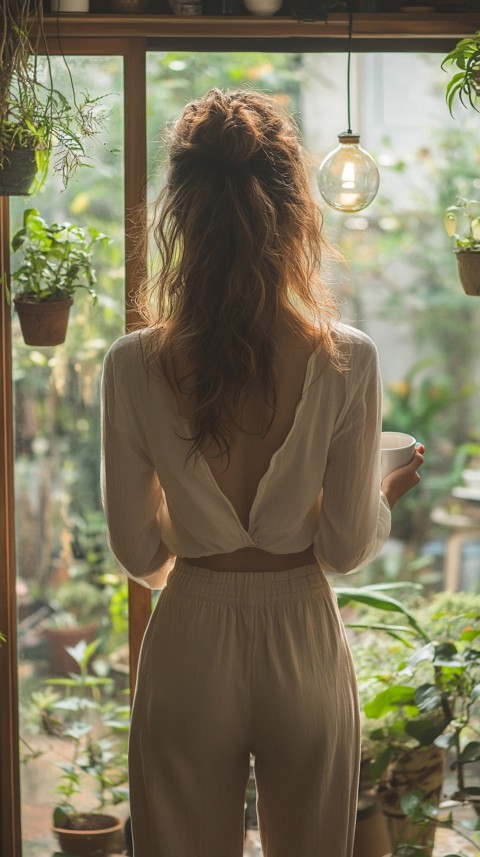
[397, 450]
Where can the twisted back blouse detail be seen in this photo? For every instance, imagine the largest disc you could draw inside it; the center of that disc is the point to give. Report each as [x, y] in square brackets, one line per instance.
[322, 485]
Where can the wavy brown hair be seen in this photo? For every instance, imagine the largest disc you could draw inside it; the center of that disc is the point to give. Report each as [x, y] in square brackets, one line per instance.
[239, 238]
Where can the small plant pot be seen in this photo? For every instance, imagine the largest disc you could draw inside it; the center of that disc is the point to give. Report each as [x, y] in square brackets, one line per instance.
[57, 639]
[371, 832]
[43, 323]
[102, 835]
[18, 172]
[420, 769]
[469, 271]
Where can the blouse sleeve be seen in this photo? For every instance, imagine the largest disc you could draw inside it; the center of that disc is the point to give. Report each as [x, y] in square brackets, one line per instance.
[354, 518]
[131, 492]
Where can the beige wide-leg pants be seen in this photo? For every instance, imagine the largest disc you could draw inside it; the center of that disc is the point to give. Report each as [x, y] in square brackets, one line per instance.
[234, 663]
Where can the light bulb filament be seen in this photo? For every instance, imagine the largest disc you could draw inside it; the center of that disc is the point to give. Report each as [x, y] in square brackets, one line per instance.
[348, 175]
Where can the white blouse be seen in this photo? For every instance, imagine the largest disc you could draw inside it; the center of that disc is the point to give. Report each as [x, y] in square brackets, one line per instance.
[158, 503]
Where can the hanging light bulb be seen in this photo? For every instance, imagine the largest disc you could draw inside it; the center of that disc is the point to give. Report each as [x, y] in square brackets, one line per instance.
[348, 177]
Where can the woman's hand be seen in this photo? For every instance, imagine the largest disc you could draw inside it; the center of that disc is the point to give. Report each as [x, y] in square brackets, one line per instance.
[399, 481]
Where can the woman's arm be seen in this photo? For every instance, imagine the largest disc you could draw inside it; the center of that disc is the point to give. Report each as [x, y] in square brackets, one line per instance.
[131, 492]
[354, 518]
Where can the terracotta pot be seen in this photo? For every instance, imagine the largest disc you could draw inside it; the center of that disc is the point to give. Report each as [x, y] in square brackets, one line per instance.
[61, 662]
[18, 172]
[104, 837]
[469, 270]
[43, 322]
[371, 832]
[421, 769]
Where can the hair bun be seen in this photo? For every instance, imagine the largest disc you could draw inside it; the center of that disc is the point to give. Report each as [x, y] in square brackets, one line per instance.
[229, 132]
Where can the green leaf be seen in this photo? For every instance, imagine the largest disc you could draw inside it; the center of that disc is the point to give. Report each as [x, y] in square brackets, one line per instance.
[380, 763]
[60, 816]
[389, 700]
[469, 634]
[426, 653]
[470, 753]
[428, 697]
[472, 655]
[78, 730]
[18, 239]
[445, 651]
[369, 596]
[412, 801]
[425, 731]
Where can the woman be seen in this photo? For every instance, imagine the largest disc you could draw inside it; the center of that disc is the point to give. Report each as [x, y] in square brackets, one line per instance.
[241, 432]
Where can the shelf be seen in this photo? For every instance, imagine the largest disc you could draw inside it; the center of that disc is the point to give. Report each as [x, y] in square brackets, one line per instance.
[366, 27]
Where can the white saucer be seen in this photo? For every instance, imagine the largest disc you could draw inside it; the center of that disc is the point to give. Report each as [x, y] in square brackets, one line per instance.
[472, 494]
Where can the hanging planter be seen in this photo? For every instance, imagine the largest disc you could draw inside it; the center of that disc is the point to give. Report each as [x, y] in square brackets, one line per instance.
[462, 223]
[43, 323]
[18, 172]
[56, 261]
[36, 118]
[468, 263]
[465, 83]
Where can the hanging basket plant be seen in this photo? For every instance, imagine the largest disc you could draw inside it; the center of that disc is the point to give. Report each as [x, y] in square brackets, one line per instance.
[37, 120]
[465, 83]
[56, 261]
[18, 172]
[462, 223]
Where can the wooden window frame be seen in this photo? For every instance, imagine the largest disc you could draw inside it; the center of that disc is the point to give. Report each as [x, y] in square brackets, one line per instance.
[131, 38]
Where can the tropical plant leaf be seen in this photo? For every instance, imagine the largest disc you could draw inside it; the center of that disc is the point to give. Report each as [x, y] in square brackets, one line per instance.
[378, 600]
[389, 700]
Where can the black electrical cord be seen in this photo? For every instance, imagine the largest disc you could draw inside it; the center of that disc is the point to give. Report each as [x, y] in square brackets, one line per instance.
[350, 30]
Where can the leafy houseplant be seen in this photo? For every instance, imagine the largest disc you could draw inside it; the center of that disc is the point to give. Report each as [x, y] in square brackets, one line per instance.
[425, 702]
[36, 118]
[95, 727]
[465, 83]
[462, 223]
[56, 261]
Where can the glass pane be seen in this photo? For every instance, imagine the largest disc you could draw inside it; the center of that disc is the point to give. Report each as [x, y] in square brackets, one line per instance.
[399, 283]
[69, 586]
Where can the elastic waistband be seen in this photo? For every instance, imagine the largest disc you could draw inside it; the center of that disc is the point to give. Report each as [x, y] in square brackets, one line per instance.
[247, 587]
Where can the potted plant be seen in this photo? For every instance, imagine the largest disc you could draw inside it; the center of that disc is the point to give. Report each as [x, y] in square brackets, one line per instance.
[79, 608]
[462, 223]
[95, 728]
[36, 118]
[465, 83]
[423, 697]
[56, 261]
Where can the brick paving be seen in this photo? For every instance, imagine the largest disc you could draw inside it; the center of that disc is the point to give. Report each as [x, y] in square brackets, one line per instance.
[38, 782]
